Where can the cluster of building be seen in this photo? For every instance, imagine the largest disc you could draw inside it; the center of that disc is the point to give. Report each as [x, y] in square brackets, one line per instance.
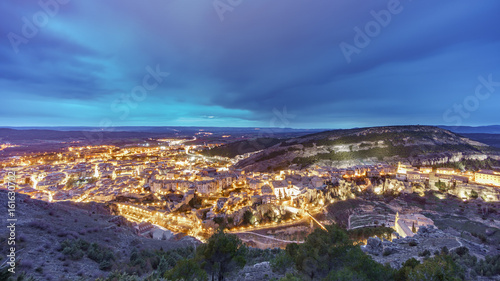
[170, 185]
[408, 172]
[406, 225]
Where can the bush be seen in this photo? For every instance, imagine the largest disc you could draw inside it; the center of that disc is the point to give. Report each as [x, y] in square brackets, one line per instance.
[436, 268]
[425, 253]
[444, 250]
[324, 253]
[291, 277]
[473, 194]
[461, 251]
[39, 225]
[364, 233]
[76, 249]
[281, 262]
[73, 249]
[105, 265]
[221, 253]
[186, 270]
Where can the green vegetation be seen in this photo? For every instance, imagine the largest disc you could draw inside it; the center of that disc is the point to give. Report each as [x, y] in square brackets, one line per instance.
[449, 266]
[464, 225]
[76, 249]
[469, 164]
[241, 147]
[152, 265]
[249, 218]
[441, 186]
[331, 254]
[381, 152]
[265, 213]
[325, 255]
[397, 138]
[187, 269]
[221, 253]
[473, 194]
[272, 155]
[281, 262]
[364, 233]
[402, 143]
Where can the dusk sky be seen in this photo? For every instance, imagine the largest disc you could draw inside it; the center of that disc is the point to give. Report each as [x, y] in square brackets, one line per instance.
[293, 63]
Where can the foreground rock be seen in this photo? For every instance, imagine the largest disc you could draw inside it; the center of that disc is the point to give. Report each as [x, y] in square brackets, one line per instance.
[399, 250]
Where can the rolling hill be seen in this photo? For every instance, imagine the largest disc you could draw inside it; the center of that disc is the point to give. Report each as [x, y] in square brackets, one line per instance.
[418, 144]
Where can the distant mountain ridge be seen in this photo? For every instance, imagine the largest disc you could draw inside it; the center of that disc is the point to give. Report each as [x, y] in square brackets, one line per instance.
[417, 144]
[492, 129]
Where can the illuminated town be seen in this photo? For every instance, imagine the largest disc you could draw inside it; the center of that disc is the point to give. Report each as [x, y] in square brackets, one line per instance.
[236, 140]
[167, 186]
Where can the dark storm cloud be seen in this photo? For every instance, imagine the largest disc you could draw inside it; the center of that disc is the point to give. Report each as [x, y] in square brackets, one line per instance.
[264, 56]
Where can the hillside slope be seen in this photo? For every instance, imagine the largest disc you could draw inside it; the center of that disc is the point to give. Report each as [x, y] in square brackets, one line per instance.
[341, 148]
[68, 241]
[241, 147]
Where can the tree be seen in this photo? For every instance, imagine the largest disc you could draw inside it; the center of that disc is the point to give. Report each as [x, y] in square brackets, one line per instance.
[248, 217]
[186, 269]
[162, 266]
[408, 266]
[436, 268]
[413, 229]
[473, 194]
[441, 186]
[281, 262]
[221, 253]
[290, 277]
[332, 250]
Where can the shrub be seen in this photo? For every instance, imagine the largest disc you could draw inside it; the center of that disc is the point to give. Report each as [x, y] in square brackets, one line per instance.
[425, 253]
[444, 250]
[73, 253]
[473, 194]
[105, 265]
[281, 262]
[324, 253]
[436, 268]
[186, 270]
[38, 225]
[461, 251]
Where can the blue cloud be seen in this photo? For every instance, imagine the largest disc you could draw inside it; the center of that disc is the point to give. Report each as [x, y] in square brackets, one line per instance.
[262, 57]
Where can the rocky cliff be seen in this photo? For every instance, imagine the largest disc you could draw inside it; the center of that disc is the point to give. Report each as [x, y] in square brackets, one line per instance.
[425, 145]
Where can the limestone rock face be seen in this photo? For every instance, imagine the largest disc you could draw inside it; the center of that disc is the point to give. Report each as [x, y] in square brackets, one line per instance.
[419, 145]
[490, 231]
[374, 246]
[259, 271]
